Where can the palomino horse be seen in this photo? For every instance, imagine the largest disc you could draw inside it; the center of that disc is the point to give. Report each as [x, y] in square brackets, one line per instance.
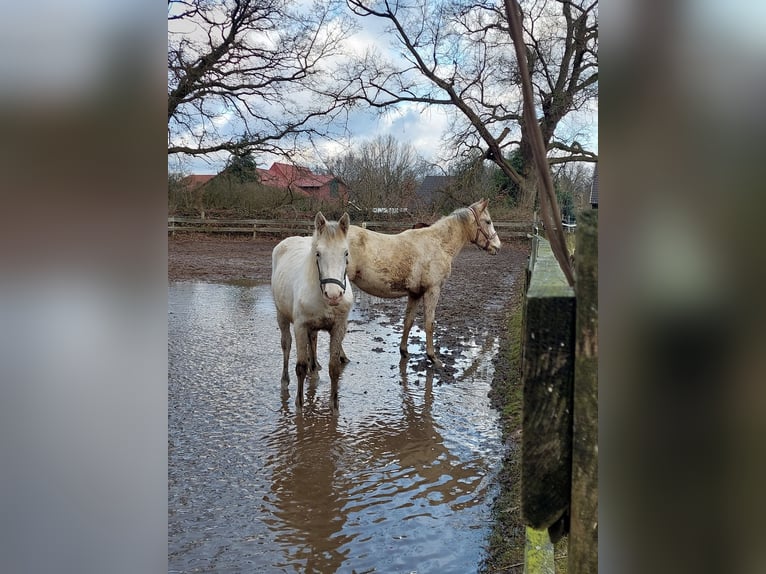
[416, 262]
[311, 291]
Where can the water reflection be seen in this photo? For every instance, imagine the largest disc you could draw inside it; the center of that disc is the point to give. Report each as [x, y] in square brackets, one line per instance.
[307, 515]
[400, 481]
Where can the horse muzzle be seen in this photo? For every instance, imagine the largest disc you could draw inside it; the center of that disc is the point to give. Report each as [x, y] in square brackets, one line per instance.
[491, 244]
[333, 290]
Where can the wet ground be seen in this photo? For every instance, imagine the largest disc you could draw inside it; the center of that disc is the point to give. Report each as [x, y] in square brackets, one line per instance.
[402, 480]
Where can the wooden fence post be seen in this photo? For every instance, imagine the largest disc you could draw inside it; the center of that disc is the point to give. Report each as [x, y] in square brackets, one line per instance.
[547, 370]
[583, 534]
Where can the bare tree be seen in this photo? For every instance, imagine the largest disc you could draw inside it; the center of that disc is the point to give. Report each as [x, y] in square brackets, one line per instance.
[575, 179]
[460, 54]
[244, 75]
[381, 172]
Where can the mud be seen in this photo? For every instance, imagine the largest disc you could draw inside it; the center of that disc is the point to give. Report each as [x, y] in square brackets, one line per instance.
[476, 293]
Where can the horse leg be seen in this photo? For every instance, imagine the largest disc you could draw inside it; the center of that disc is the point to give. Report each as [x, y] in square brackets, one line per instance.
[409, 319]
[337, 333]
[284, 327]
[302, 363]
[314, 365]
[429, 302]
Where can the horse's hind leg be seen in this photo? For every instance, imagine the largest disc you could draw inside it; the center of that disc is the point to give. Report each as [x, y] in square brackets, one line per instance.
[430, 300]
[314, 365]
[284, 327]
[409, 320]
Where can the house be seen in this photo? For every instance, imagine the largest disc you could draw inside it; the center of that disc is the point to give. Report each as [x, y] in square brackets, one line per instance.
[192, 182]
[185, 196]
[303, 182]
[594, 189]
[431, 190]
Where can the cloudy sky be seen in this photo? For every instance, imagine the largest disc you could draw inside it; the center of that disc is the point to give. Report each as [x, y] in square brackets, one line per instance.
[422, 127]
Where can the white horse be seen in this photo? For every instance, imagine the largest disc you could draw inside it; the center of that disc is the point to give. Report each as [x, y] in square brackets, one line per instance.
[415, 263]
[311, 291]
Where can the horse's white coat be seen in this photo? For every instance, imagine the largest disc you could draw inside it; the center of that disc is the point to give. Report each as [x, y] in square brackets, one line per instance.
[415, 263]
[298, 263]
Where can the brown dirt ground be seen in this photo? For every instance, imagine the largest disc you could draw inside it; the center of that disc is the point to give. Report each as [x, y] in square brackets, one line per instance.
[481, 294]
[200, 257]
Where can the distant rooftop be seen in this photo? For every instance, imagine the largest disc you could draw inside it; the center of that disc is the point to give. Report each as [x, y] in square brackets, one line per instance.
[432, 185]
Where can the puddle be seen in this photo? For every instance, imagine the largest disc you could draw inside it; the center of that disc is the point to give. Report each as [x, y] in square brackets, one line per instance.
[401, 481]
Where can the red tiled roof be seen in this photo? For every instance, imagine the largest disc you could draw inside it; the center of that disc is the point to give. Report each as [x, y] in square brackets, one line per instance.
[195, 180]
[298, 179]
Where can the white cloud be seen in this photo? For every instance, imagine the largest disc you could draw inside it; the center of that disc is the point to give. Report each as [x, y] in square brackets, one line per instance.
[370, 35]
[421, 126]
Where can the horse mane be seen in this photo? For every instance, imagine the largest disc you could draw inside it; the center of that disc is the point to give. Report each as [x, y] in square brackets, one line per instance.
[461, 214]
[331, 230]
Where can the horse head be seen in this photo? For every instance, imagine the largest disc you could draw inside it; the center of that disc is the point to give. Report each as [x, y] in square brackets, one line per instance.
[486, 236]
[330, 247]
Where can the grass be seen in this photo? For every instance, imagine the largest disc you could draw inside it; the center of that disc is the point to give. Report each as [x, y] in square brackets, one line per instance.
[506, 544]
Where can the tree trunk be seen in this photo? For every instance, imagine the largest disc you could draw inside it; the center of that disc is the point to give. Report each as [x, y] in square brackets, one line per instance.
[528, 191]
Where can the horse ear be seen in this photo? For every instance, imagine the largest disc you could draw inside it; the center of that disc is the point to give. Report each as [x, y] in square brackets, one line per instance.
[319, 222]
[344, 222]
[479, 206]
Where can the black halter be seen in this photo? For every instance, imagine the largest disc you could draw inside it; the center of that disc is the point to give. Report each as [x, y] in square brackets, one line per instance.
[341, 284]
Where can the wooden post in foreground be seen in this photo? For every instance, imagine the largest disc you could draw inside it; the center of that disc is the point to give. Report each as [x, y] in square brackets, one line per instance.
[548, 371]
[583, 534]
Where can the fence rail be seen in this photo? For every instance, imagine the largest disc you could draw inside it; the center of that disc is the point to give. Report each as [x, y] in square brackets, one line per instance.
[284, 227]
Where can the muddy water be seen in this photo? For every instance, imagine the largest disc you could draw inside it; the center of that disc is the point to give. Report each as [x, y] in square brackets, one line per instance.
[401, 481]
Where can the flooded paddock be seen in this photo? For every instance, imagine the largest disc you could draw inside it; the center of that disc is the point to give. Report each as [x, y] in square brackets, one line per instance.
[401, 481]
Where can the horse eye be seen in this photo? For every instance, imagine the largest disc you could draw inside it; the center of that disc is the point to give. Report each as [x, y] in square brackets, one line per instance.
[318, 254]
[346, 253]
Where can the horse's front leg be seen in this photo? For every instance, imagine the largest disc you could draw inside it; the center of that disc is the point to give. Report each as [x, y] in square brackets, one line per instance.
[337, 333]
[430, 300]
[409, 320]
[302, 362]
